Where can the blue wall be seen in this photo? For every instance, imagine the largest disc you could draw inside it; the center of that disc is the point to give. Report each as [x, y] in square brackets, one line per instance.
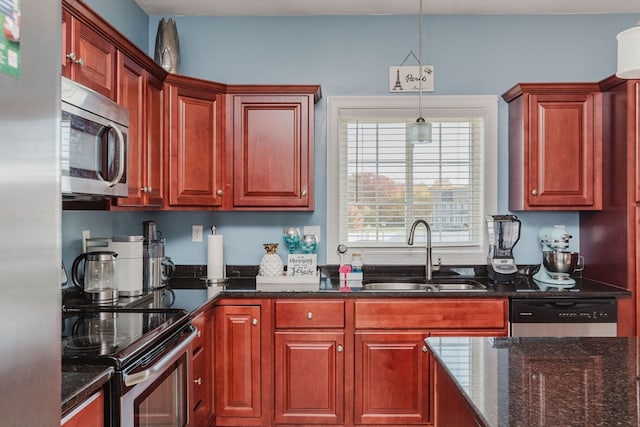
[127, 17]
[350, 55]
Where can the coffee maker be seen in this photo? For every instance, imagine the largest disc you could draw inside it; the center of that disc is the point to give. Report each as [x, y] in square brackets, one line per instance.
[504, 233]
[157, 268]
[557, 263]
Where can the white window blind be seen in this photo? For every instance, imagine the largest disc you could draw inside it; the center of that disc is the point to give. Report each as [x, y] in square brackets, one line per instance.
[384, 182]
[388, 182]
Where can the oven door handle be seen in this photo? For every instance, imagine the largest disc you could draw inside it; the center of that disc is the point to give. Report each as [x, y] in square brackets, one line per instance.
[158, 367]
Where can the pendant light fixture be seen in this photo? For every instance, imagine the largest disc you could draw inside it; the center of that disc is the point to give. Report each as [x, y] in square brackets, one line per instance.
[420, 131]
[629, 53]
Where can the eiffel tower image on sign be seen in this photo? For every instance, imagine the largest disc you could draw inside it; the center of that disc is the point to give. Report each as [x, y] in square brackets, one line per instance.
[398, 85]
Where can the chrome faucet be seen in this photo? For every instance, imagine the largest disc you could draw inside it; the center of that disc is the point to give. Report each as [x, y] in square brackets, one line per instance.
[428, 266]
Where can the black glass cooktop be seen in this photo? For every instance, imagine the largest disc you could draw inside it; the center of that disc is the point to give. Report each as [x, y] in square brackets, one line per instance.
[114, 336]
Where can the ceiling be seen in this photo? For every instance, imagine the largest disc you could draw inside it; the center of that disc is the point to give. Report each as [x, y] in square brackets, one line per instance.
[382, 7]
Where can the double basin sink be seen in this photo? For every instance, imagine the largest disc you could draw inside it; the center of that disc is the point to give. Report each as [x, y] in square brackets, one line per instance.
[435, 285]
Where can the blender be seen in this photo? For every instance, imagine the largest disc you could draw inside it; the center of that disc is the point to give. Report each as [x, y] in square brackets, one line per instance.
[504, 233]
[557, 263]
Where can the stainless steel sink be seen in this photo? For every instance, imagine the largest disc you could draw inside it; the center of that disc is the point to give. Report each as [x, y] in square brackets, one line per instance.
[446, 285]
[463, 286]
[398, 286]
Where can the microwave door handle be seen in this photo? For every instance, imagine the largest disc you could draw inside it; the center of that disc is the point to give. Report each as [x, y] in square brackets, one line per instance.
[121, 157]
[159, 366]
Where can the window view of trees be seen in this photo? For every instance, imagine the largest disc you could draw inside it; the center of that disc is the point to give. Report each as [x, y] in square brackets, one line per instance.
[390, 183]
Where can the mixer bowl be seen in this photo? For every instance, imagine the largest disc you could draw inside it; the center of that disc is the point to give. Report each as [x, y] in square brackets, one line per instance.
[561, 262]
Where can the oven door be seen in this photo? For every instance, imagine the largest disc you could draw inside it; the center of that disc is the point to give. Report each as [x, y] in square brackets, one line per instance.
[158, 395]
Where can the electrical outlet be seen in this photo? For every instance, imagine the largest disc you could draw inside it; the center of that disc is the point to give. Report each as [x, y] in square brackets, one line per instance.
[196, 233]
[86, 234]
[312, 229]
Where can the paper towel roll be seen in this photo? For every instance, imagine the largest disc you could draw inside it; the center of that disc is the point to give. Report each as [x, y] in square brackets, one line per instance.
[215, 258]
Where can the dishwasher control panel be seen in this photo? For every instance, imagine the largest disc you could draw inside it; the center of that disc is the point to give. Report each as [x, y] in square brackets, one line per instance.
[563, 310]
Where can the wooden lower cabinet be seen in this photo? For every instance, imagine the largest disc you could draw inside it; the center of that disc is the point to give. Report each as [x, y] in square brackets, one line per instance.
[391, 378]
[309, 378]
[335, 362]
[202, 372]
[89, 413]
[237, 367]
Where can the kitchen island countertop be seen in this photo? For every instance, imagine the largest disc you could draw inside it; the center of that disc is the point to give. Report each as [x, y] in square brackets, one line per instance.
[543, 381]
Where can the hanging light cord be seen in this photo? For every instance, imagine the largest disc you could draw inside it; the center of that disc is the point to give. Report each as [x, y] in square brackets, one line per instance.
[420, 64]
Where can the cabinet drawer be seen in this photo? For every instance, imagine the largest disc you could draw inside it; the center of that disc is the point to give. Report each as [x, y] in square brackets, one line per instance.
[309, 314]
[433, 313]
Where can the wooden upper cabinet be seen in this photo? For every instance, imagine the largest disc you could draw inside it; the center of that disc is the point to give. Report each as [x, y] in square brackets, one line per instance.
[87, 57]
[555, 146]
[142, 94]
[195, 143]
[270, 145]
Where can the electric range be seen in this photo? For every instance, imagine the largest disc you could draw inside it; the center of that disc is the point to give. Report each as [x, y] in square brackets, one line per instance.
[149, 350]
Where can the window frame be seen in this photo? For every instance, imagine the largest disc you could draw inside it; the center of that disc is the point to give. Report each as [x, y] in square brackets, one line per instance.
[432, 107]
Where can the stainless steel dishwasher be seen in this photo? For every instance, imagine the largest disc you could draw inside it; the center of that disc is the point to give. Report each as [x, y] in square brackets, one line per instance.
[563, 317]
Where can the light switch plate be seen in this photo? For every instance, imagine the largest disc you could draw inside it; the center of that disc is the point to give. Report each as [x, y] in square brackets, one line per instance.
[196, 233]
[312, 229]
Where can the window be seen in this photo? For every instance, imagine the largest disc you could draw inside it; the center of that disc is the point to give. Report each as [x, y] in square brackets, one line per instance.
[378, 183]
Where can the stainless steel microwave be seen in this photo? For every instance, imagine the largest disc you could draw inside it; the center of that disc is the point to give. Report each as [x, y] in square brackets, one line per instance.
[93, 150]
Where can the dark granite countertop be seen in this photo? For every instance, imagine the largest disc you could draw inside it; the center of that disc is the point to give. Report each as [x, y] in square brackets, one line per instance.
[188, 291]
[79, 382]
[241, 283]
[554, 381]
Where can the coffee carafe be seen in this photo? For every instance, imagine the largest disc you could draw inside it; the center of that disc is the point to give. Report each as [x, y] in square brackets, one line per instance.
[157, 268]
[99, 282]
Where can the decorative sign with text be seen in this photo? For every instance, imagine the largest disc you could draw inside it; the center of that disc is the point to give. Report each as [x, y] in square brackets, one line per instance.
[302, 265]
[407, 78]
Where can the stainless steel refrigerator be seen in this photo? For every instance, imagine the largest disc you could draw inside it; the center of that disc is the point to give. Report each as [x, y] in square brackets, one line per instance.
[30, 213]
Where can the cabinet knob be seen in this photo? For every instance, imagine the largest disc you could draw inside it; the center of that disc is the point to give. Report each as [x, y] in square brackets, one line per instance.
[219, 192]
[534, 192]
[198, 381]
[340, 348]
[254, 322]
[73, 58]
[309, 315]
[304, 193]
[199, 333]
[424, 349]
[145, 189]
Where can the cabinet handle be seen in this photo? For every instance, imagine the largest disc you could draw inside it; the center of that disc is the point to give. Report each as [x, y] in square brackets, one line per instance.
[254, 322]
[340, 348]
[73, 58]
[145, 189]
[198, 381]
[199, 333]
[309, 315]
[424, 349]
[219, 192]
[304, 193]
[534, 192]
